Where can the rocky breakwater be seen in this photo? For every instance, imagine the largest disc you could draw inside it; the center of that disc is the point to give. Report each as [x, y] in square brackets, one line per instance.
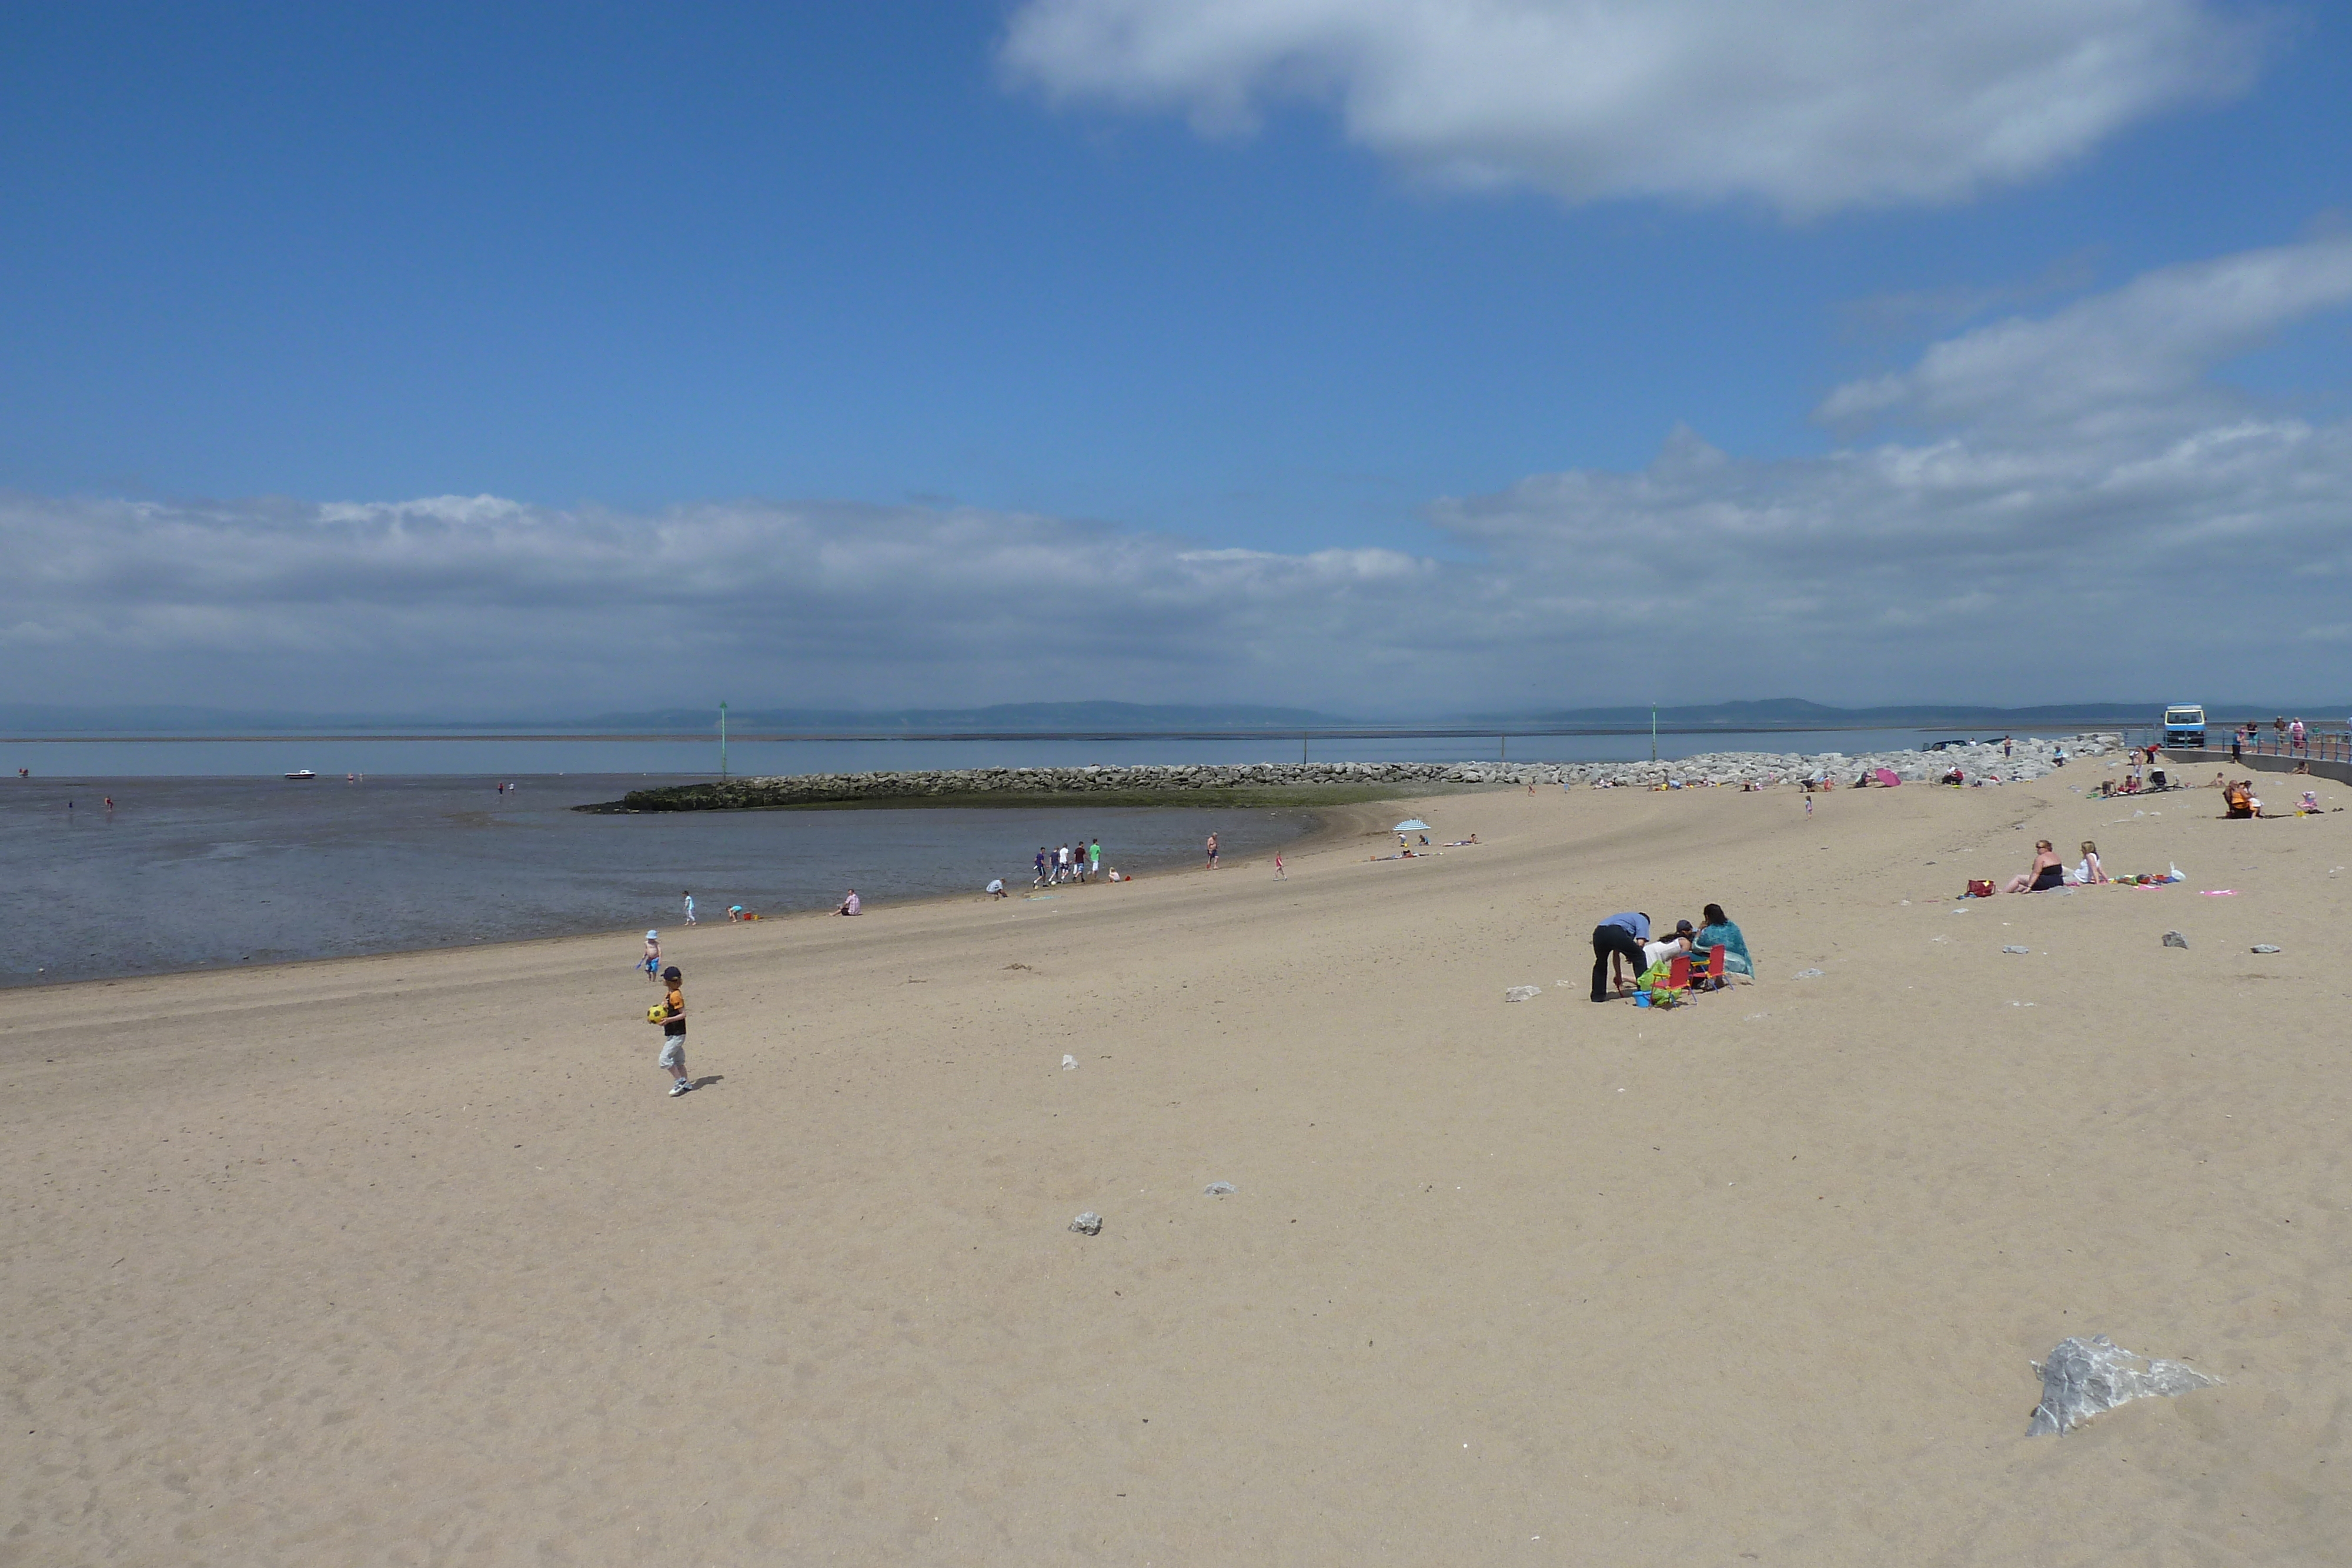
[1178, 783]
[2028, 758]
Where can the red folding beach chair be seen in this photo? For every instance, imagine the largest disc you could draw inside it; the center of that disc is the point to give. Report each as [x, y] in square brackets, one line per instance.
[1678, 973]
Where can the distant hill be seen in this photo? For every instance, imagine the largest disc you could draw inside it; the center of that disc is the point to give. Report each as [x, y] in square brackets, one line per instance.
[1115, 717]
[56, 719]
[1795, 712]
[1101, 716]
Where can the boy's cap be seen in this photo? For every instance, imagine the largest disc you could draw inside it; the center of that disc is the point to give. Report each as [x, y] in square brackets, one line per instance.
[1681, 924]
[672, 973]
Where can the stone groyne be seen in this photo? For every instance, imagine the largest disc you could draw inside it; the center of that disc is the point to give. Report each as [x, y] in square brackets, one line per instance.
[1175, 783]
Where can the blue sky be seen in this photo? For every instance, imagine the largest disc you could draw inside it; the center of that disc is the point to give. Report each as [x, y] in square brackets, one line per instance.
[1293, 351]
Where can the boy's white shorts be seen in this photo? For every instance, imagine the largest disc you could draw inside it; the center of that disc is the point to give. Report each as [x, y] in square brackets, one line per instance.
[673, 1052]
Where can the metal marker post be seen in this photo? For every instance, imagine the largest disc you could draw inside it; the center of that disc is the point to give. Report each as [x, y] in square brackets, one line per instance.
[1654, 732]
[722, 740]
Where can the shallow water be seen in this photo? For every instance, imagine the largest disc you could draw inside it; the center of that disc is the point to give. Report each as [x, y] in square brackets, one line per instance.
[187, 874]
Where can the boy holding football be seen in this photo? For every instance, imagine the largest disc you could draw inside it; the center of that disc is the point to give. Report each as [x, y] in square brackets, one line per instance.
[671, 1015]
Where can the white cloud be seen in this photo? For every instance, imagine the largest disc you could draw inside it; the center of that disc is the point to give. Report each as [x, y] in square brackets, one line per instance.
[478, 603]
[2140, 350]
[1806, 105]
[2135, 529]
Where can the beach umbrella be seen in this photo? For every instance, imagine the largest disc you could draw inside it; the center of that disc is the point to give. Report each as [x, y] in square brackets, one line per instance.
[1886, 775]
[1411, 825]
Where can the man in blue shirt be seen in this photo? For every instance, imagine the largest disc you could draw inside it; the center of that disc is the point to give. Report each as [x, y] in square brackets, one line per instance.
[1619, 935]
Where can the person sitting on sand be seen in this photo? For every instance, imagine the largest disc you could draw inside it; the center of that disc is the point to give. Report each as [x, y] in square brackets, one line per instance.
[2043, 875]
[2237, 801]
[2090, 872]
[1719, 932]
[850, 905]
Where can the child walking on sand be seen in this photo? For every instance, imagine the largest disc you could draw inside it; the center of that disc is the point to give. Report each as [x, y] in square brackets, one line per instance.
[653, 955]
[1278, 866]
[671, 1015]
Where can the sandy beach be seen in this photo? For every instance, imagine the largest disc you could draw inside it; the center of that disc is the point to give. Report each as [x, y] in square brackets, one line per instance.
[410, 1259]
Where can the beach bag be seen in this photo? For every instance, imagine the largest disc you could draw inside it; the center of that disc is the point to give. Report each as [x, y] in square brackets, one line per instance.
[1978, 889]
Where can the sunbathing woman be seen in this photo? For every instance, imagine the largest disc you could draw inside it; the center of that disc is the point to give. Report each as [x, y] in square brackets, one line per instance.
[2091, 874]
[2044, 874]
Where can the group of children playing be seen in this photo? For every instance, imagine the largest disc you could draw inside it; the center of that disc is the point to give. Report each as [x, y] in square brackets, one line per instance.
[1064, 863]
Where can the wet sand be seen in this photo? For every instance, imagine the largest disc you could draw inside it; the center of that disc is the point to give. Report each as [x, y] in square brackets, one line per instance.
[409, 1259]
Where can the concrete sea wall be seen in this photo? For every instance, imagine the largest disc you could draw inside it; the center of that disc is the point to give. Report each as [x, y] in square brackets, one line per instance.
[2251, 762]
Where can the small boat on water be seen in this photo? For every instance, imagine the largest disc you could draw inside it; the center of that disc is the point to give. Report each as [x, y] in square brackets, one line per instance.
[301, 773]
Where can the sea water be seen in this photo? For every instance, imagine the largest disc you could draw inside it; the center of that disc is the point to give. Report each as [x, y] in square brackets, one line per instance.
[209, 858]
[187, 874]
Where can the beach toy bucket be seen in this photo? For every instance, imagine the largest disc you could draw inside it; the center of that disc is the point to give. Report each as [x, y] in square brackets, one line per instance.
[1641, 998]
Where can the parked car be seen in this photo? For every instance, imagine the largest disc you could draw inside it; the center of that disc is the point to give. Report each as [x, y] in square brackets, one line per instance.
[2184, 726]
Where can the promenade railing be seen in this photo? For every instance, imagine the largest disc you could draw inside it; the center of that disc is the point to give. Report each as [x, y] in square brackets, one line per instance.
[2318, 745]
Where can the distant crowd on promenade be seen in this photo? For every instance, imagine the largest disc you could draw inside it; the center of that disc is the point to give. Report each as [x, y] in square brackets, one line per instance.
[2290, 738]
